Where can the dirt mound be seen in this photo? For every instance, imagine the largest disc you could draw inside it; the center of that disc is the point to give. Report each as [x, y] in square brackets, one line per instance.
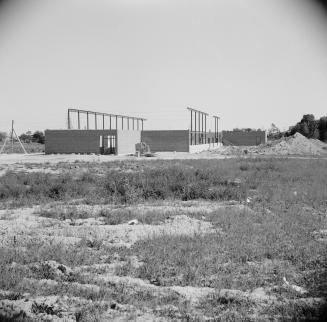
[296, 144]
[293, 145]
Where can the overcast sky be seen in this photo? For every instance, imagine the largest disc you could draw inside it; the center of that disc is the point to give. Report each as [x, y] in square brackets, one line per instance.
[252, 62]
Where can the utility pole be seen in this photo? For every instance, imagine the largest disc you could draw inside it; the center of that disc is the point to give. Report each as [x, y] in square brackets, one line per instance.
[12, 136]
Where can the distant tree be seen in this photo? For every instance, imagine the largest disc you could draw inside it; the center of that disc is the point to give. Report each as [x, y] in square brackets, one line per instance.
[247, 129]
[3, 135]
[308, 127]
[322, 127]
[38, 137]
[303, 128]
[312, 124]
[26, 137]
[274, 132]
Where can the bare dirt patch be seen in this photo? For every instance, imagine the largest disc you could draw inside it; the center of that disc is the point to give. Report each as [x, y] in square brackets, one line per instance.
[258, 257]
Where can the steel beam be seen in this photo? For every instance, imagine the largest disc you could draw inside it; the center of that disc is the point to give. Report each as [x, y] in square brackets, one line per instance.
[195, 110]
[79, 112]
[107, 114]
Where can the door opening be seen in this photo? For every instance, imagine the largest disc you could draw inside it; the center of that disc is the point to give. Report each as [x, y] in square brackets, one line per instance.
[107, 144]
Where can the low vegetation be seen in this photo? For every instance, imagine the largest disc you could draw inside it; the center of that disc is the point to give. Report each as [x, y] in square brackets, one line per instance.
[30, 147]
[160, 180]
[264, 257]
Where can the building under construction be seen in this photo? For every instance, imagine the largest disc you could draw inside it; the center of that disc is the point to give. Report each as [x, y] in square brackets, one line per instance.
[104, 133]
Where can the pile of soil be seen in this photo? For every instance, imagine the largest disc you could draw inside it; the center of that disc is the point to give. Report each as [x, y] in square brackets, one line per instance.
[293, 145]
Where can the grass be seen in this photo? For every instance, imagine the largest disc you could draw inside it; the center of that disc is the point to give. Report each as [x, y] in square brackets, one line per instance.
[168, 181]
[29, 147]
[250, 249]
[110, 216]
[182, 180]
[60, 212]
[235, 258]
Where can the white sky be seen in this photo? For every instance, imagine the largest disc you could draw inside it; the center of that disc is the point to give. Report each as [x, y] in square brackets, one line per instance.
[252, 62]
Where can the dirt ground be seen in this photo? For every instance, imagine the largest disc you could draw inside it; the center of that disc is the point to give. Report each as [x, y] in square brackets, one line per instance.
[75, 264]
[25, 226]
[21, 227]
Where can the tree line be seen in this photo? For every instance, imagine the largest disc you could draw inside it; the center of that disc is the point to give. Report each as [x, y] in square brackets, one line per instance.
[308, 127]
[28, 137]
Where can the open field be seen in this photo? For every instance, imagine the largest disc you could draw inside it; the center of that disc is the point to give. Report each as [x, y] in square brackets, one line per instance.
[239, 239]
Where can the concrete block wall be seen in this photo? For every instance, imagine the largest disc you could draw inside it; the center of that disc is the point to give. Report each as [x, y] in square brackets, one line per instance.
[127, 141]
[167, 141]
[74, 141]
[206, 138]
[244, 138]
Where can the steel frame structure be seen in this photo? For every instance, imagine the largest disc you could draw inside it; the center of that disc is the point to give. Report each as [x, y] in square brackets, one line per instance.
[216, 118]
[115, 117]
[201, 129]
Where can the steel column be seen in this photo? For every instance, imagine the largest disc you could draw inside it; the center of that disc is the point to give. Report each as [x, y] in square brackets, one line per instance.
[68, 121]
[191, 126]
[195, 128]
[205, 129]
[202, 129]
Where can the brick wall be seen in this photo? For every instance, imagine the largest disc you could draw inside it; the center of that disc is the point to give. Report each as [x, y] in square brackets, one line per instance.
[127, 141]
[244, 138]
[74, 141]
[166, 140]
